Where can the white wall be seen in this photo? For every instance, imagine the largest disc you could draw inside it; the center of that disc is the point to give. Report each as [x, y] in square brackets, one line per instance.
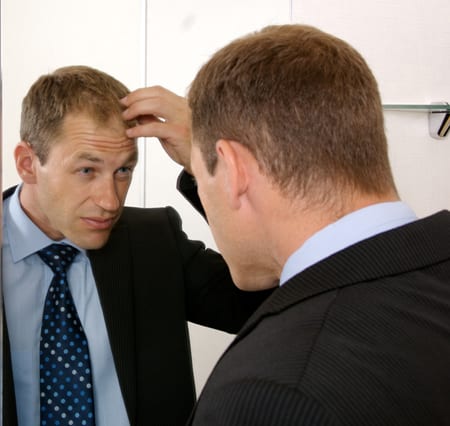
[181, 36]
[39, 36]
[146, 42]
[407, 45]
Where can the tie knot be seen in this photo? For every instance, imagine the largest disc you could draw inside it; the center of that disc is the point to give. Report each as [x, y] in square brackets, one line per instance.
[58, 256]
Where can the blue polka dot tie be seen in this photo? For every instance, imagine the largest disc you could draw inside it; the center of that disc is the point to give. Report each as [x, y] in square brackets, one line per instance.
[65, 371]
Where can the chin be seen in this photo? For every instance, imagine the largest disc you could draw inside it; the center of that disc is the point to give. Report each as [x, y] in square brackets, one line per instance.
[90, 244]
[253, 283]
[97, 245]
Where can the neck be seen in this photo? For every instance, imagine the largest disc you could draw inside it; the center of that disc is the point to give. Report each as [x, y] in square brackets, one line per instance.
[291, 223]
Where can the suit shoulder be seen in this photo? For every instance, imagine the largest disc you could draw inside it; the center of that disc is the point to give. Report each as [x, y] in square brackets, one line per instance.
[146, 215]
[8, 192]
[146, 220]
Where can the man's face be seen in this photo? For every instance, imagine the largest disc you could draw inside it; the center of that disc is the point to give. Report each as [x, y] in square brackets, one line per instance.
[80, 191]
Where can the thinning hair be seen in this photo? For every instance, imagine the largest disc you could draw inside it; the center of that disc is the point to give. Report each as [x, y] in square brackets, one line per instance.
[306, 105]
[68, 90]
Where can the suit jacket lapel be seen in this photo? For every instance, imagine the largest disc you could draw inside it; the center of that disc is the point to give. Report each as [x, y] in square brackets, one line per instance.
[9, 412]
[111, 266]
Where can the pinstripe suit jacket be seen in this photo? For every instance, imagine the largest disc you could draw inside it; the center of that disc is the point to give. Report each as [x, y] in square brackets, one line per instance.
[360, 338]
[151, 279]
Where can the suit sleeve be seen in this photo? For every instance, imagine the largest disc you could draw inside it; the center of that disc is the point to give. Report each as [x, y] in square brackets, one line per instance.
[187, 186]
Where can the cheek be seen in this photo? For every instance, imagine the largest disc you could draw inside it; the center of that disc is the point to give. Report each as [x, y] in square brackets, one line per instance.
[53, 182]
[122, 189]
[64, 196]
[224, 231]
[203, 195]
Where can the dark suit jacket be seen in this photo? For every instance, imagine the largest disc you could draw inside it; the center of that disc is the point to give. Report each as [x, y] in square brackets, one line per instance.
[151, 279]
[361, 338]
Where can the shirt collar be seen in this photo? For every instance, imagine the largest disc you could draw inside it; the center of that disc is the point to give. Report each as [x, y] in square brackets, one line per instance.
[348, 230]
[24, 237]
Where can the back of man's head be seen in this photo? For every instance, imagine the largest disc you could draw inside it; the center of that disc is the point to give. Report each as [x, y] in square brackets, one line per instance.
[304, 103]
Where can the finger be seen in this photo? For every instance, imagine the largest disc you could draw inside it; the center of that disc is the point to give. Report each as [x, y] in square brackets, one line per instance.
[152, 93]
[156, 101]
[164, 109]
[154, 129]
[145, 119]
[143, 93]
[144, 107]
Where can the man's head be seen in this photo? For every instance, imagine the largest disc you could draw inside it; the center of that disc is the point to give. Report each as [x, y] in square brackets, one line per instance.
[74, 157]
[304, 106]
[68, 90]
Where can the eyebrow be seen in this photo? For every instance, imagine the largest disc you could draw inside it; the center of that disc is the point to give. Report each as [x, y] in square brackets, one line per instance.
[133, 157]
[89, 157]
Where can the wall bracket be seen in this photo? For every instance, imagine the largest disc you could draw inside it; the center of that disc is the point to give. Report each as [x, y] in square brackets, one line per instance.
[438, 116]
[439, 122]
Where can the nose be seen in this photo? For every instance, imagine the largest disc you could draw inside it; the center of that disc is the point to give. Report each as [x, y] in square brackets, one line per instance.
[107, 196]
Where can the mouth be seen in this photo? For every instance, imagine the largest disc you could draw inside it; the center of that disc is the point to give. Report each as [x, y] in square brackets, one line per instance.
[98, 223]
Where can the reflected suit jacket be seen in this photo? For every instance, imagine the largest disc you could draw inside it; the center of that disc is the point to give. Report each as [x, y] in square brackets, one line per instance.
[151, 280]
[361, 338]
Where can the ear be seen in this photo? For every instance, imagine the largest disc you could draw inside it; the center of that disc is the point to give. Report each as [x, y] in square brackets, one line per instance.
[26, 161]
[234, 162]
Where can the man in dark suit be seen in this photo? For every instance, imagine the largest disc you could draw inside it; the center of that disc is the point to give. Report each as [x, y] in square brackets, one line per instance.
[291, 161]
[137, 279]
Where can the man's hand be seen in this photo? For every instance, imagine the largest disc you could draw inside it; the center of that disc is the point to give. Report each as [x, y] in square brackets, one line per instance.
[164, 115]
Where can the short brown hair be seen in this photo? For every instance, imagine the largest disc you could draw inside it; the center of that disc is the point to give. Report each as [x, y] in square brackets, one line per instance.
[72, 89]
[303, 102]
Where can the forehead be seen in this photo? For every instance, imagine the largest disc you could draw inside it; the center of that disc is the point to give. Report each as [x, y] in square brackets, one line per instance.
[85, 121]
[81, 131]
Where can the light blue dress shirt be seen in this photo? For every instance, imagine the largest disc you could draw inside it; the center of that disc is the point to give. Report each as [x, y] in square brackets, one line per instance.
[26, 280]
[348, 230]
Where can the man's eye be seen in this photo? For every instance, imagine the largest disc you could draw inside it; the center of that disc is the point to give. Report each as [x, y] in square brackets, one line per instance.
[85, 170]
[124, 170]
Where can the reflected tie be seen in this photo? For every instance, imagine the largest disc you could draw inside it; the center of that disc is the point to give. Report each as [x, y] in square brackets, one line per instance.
[65, 371]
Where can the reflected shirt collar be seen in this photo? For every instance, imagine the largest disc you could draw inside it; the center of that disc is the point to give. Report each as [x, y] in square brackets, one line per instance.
[28, 238]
